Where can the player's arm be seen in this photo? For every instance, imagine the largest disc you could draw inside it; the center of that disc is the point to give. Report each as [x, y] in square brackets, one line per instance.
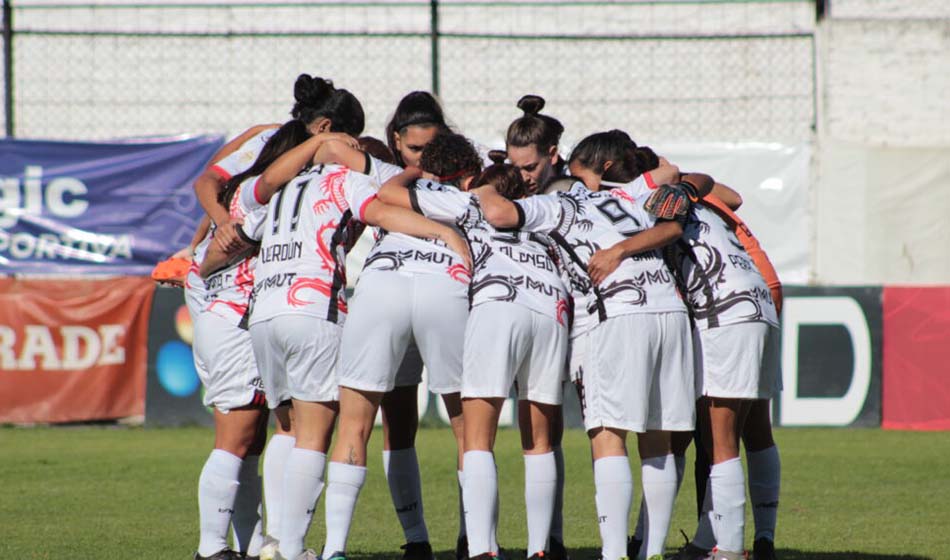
[188, 252]
[217, 258]
[500, 212]
[664, 232]
[396, 190]
[605, 261]
[291, 163]
[402, 220]
[665, 174]
[728, 196]
[211, 181]
[343, 152]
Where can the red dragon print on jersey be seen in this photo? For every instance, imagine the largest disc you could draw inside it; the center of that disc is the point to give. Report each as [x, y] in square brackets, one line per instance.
[620, 193]
[562, 310]
[332, 187]
[459, 273]
[328, 263]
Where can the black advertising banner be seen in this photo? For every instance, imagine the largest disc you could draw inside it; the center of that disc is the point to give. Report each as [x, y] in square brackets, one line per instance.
[831, 357]
[173, 391]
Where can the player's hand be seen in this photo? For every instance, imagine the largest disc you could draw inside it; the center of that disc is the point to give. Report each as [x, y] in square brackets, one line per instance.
[604, 262]
[227, 238]
[669, 201]
[459, 246]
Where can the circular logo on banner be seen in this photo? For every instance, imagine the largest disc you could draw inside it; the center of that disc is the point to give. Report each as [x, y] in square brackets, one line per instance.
[176, 369]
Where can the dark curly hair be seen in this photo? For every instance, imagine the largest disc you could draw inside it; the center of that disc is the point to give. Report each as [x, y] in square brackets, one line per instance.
[506, 179]
[629, 160]
[451, 158]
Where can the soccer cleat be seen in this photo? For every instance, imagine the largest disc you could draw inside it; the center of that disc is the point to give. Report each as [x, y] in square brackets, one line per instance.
[726, 555]
[633, 546]
[224, 554]
[269, 548]
[461, 548]
[538, 556]
[691, 552]
[338, 555]
[763, 549]
[556, 550]
[246, 557]
[417, 551]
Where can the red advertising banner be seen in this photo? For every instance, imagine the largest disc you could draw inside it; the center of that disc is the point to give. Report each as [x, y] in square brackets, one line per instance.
[916, 358]
[73, 350]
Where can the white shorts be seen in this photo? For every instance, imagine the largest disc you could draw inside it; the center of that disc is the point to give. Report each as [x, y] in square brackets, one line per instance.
[638, 374]
[225, 362]
[390, 309]
[296, 355]
[507, 343]
[578, 355]
[741, 361]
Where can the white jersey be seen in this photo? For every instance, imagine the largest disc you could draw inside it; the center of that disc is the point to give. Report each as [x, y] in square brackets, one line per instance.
[642, 185]
[583, 222]
[515, 267]
[723, 285]
[229, 288]
[301, 268]
[397, 252]
[244, 157]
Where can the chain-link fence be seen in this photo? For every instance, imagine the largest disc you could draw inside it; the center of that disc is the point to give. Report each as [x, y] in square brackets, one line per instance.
[666, 70]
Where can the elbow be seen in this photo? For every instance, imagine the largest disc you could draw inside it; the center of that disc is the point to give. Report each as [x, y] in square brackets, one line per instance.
[736, 202]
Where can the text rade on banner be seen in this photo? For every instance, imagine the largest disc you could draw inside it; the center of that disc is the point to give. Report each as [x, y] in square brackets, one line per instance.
[73, 350]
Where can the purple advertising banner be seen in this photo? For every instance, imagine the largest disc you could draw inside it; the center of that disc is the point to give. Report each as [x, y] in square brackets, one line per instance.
[98, 208]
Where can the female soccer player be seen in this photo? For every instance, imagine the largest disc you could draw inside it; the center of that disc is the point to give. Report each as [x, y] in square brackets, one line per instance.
[736, 352]
[644, 384]
[520, 302]
[408, 289]
[434, 289]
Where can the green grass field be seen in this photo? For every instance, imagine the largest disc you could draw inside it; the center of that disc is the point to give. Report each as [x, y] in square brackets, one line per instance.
[93, 492]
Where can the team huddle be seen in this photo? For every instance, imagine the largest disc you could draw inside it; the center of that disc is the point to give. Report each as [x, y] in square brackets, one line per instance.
[611, 271]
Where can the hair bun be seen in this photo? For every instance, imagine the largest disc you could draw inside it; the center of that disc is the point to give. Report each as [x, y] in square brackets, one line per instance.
[531, 104]
[312, 89]
[498, 157]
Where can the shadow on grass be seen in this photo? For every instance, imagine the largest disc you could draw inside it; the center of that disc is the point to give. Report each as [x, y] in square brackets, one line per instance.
[594, 554]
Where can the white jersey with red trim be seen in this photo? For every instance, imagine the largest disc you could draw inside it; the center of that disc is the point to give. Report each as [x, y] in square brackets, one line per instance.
[229, 289]
[510, 266]
[301, 267]
[723, 285]
[583, 222]
[244, 157]
[405, 254]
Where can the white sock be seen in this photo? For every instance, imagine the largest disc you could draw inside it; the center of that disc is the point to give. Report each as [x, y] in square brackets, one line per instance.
[303, 481]
[680, 461]
[765, 477]
[246, 521]
[727, 482]
[659, 495]
[704, 537]
[405, 487]
[540, 488]
[614, 494]
[557, 520]
[480, 494]
[217, 487]
[275, 459]
[343, 488]
[463, 532]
